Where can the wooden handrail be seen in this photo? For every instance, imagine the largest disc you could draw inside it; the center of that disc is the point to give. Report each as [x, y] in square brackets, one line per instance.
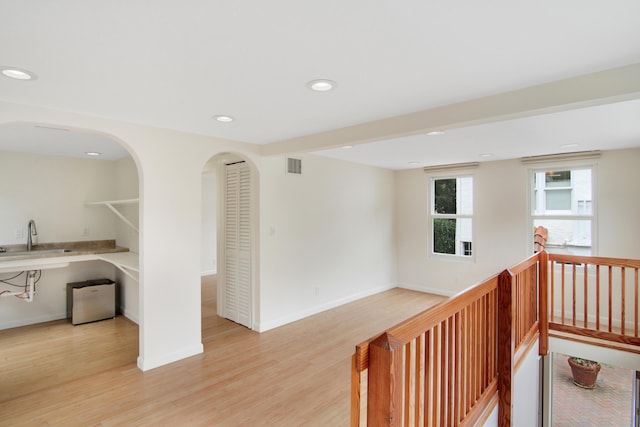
[451, 364]
[433, 357]
[590, 297]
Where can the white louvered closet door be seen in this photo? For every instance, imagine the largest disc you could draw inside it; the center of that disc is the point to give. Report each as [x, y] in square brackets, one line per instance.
[237, 286]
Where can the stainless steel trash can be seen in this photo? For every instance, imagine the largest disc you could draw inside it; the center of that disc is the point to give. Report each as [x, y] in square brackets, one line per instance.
[91, 300]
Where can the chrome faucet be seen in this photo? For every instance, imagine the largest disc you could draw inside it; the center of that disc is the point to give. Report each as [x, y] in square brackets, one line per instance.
[32, 231]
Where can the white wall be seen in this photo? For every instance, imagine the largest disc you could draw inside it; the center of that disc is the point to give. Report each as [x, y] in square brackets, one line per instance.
[327, 236]
[333, 228]
[50, 299]
[500, 227]
[53, 191]
[127, 187]
[209, 221]
[526, 391]
[527, 409]
[502, 231]
[170, 167]
[618, 201]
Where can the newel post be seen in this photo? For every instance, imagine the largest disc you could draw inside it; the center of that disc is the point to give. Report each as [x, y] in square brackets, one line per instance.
[506, 347]
[543, 302]
[384, 403]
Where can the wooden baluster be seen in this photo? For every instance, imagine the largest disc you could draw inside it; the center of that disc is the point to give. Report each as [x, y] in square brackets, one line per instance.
[459, 390]
[597, 297]
[543, 317]
[355, 393]
[610, 299]
[635, 303]
[552, 296]
[436, 377]
[494, 330]
[443, 373]
[573, 294]
[476, 352]
[428, 378]
[384, 403]
[586, 296]
[562, 281]
[408, 382]
[468, 379]
[623, 278]
[506, 348]
[419, 374]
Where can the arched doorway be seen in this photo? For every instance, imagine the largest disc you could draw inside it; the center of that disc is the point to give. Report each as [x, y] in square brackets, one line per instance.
[57, 188]
[236, 234]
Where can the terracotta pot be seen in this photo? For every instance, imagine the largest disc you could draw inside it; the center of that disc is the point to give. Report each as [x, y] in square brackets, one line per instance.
[584, 376]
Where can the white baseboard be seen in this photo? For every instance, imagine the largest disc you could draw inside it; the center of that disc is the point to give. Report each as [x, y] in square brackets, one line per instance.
[129, 315]
[149, 363]
[442, 292]
[34, 320]
[265, 326]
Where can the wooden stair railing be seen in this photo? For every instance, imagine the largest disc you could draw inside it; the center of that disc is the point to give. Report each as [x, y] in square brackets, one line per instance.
[445, 366]
[521, 291]
[595, 298]
[436, 368]
[451, 364]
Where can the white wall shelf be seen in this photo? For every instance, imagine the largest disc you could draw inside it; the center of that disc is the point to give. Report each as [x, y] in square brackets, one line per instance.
[127, 262]
[111, 204]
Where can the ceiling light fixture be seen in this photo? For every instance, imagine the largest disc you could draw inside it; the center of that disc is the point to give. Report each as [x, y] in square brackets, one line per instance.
[223, 119]
[486, 154]
[435, 132]
[321, 85]
[93, 153]
[569, 145]
[17, 73]
[347, 147]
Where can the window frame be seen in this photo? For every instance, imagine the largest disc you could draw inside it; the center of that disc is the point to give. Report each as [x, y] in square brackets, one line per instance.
[563, 215]
[432, 215]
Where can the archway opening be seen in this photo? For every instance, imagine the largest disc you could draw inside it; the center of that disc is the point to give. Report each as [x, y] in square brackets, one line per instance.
[231, 236]
[47, 176]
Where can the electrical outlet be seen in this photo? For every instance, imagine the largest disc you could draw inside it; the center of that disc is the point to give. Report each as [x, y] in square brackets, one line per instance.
[19, 233]
[85, 231]
[317, 291]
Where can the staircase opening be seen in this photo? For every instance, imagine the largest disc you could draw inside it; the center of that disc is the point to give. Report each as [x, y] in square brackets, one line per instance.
[610, 402]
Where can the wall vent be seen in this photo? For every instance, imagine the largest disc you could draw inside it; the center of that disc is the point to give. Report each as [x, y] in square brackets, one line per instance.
[294, 166]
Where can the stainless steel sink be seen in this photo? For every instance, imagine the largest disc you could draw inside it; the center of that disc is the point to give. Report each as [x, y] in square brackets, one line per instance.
[34, 253]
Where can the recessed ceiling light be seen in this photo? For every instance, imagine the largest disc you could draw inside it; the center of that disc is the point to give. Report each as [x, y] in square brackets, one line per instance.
[569, 145]
[93, 153]
[486, 154]
[223, 119]
[435, 132]
[17, 73]
[321, 85]
[347, 147]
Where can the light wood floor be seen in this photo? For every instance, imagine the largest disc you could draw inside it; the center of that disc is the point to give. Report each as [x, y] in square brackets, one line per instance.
[55, 374]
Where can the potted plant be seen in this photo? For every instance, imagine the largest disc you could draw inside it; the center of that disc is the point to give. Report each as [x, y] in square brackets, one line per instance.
[584, 371]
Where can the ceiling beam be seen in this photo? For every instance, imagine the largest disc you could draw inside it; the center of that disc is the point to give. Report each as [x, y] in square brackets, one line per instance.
[614, 85]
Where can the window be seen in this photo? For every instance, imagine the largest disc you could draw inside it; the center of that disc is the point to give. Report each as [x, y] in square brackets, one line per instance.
[562, 201]
[452, 215]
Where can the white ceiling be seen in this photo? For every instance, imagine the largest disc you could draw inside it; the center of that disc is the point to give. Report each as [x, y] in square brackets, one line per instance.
[175, 64]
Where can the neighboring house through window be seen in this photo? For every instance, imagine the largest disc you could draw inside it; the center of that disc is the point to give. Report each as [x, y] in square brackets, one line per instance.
[452, 215]
[562, 202]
